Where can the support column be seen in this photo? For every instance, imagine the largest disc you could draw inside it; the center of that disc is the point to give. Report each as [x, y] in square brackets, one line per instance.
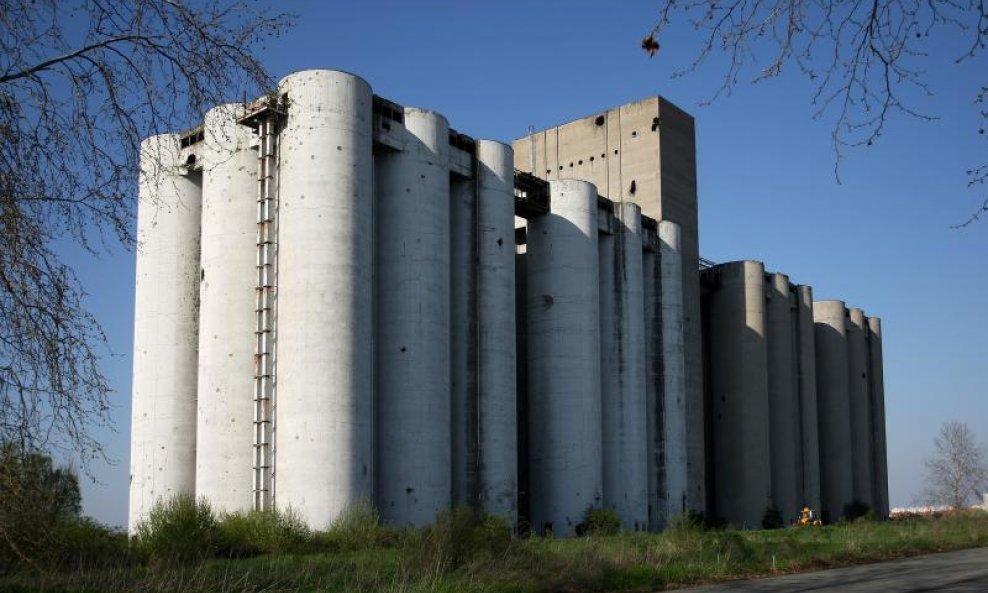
[166, 303]
[564, 360]
[412, 354]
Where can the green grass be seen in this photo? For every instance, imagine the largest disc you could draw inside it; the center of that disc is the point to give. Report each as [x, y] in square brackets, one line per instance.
[464, 552]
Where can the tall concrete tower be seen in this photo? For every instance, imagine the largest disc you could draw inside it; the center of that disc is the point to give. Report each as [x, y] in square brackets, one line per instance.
[643, 152]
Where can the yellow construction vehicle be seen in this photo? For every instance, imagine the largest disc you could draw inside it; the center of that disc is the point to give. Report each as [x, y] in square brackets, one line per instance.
[808, 518]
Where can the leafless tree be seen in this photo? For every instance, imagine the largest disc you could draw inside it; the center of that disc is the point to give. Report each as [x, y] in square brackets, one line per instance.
[865, 59]
[957, 473]
[81, 83]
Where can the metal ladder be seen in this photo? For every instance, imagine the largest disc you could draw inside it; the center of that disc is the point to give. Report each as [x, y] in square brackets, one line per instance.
[265, 349]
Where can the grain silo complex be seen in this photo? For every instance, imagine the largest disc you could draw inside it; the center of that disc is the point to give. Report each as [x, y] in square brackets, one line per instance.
[340, 299]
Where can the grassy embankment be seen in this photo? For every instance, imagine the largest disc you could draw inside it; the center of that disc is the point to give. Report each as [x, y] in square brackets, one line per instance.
[463, 553]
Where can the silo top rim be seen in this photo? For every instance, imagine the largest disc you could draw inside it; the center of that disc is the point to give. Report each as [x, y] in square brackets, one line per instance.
[295, 73]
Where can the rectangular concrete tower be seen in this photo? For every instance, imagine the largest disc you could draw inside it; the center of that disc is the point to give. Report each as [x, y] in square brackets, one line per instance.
[642, 152]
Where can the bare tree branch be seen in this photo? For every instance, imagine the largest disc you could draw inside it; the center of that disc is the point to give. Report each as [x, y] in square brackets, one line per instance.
[957, 472]
[864, 57]
[83, 82]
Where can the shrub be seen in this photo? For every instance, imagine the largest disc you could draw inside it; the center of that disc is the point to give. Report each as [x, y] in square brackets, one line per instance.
[600, 522]
[856, 510]
[357, 528]
[178, 529]
[772, 519]
[262, 532]
[38, 498]
[458, 536]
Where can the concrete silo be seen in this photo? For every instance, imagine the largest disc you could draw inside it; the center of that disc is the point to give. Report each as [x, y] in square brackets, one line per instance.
[227, 292]
[162, 455]
[563, 354]
[739, 393]
[498, 421]
[809, 458]
[622, 368]
[325, 296]
[482, 334]
[862, 455]
[783, 395]
[412, 353]
[876, 391]
[833, 407]
[672, 370]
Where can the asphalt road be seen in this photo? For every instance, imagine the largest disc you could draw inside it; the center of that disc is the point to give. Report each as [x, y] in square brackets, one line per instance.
[954, 572]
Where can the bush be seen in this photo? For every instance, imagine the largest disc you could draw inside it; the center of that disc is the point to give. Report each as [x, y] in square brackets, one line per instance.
[857, 510]
[772, 519]
[38, 498]
[600, 522]
[458, 536]
[262, 532]
[83, 543]
[179, 529]
[357, 528]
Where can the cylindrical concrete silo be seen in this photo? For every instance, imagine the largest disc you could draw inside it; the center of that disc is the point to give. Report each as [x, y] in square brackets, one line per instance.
[224, 431]
[809, 431]
[464, 367]
[564, 360]
[674, 489]
[325, 296]
[876, 390]
[163, 426]
[622, 335]
[739, 389]
[498, 459]
[412, 352]
[653, 391]
[833, 407]
[862, 456]
[783, 397]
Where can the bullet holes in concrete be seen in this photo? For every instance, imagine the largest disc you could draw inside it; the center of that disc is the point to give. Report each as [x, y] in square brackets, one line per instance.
[599, 120]
[634, 133]
[656, 122]
[633, 188]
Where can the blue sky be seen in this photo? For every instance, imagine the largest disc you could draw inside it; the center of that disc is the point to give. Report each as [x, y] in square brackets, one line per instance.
[879, 240]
